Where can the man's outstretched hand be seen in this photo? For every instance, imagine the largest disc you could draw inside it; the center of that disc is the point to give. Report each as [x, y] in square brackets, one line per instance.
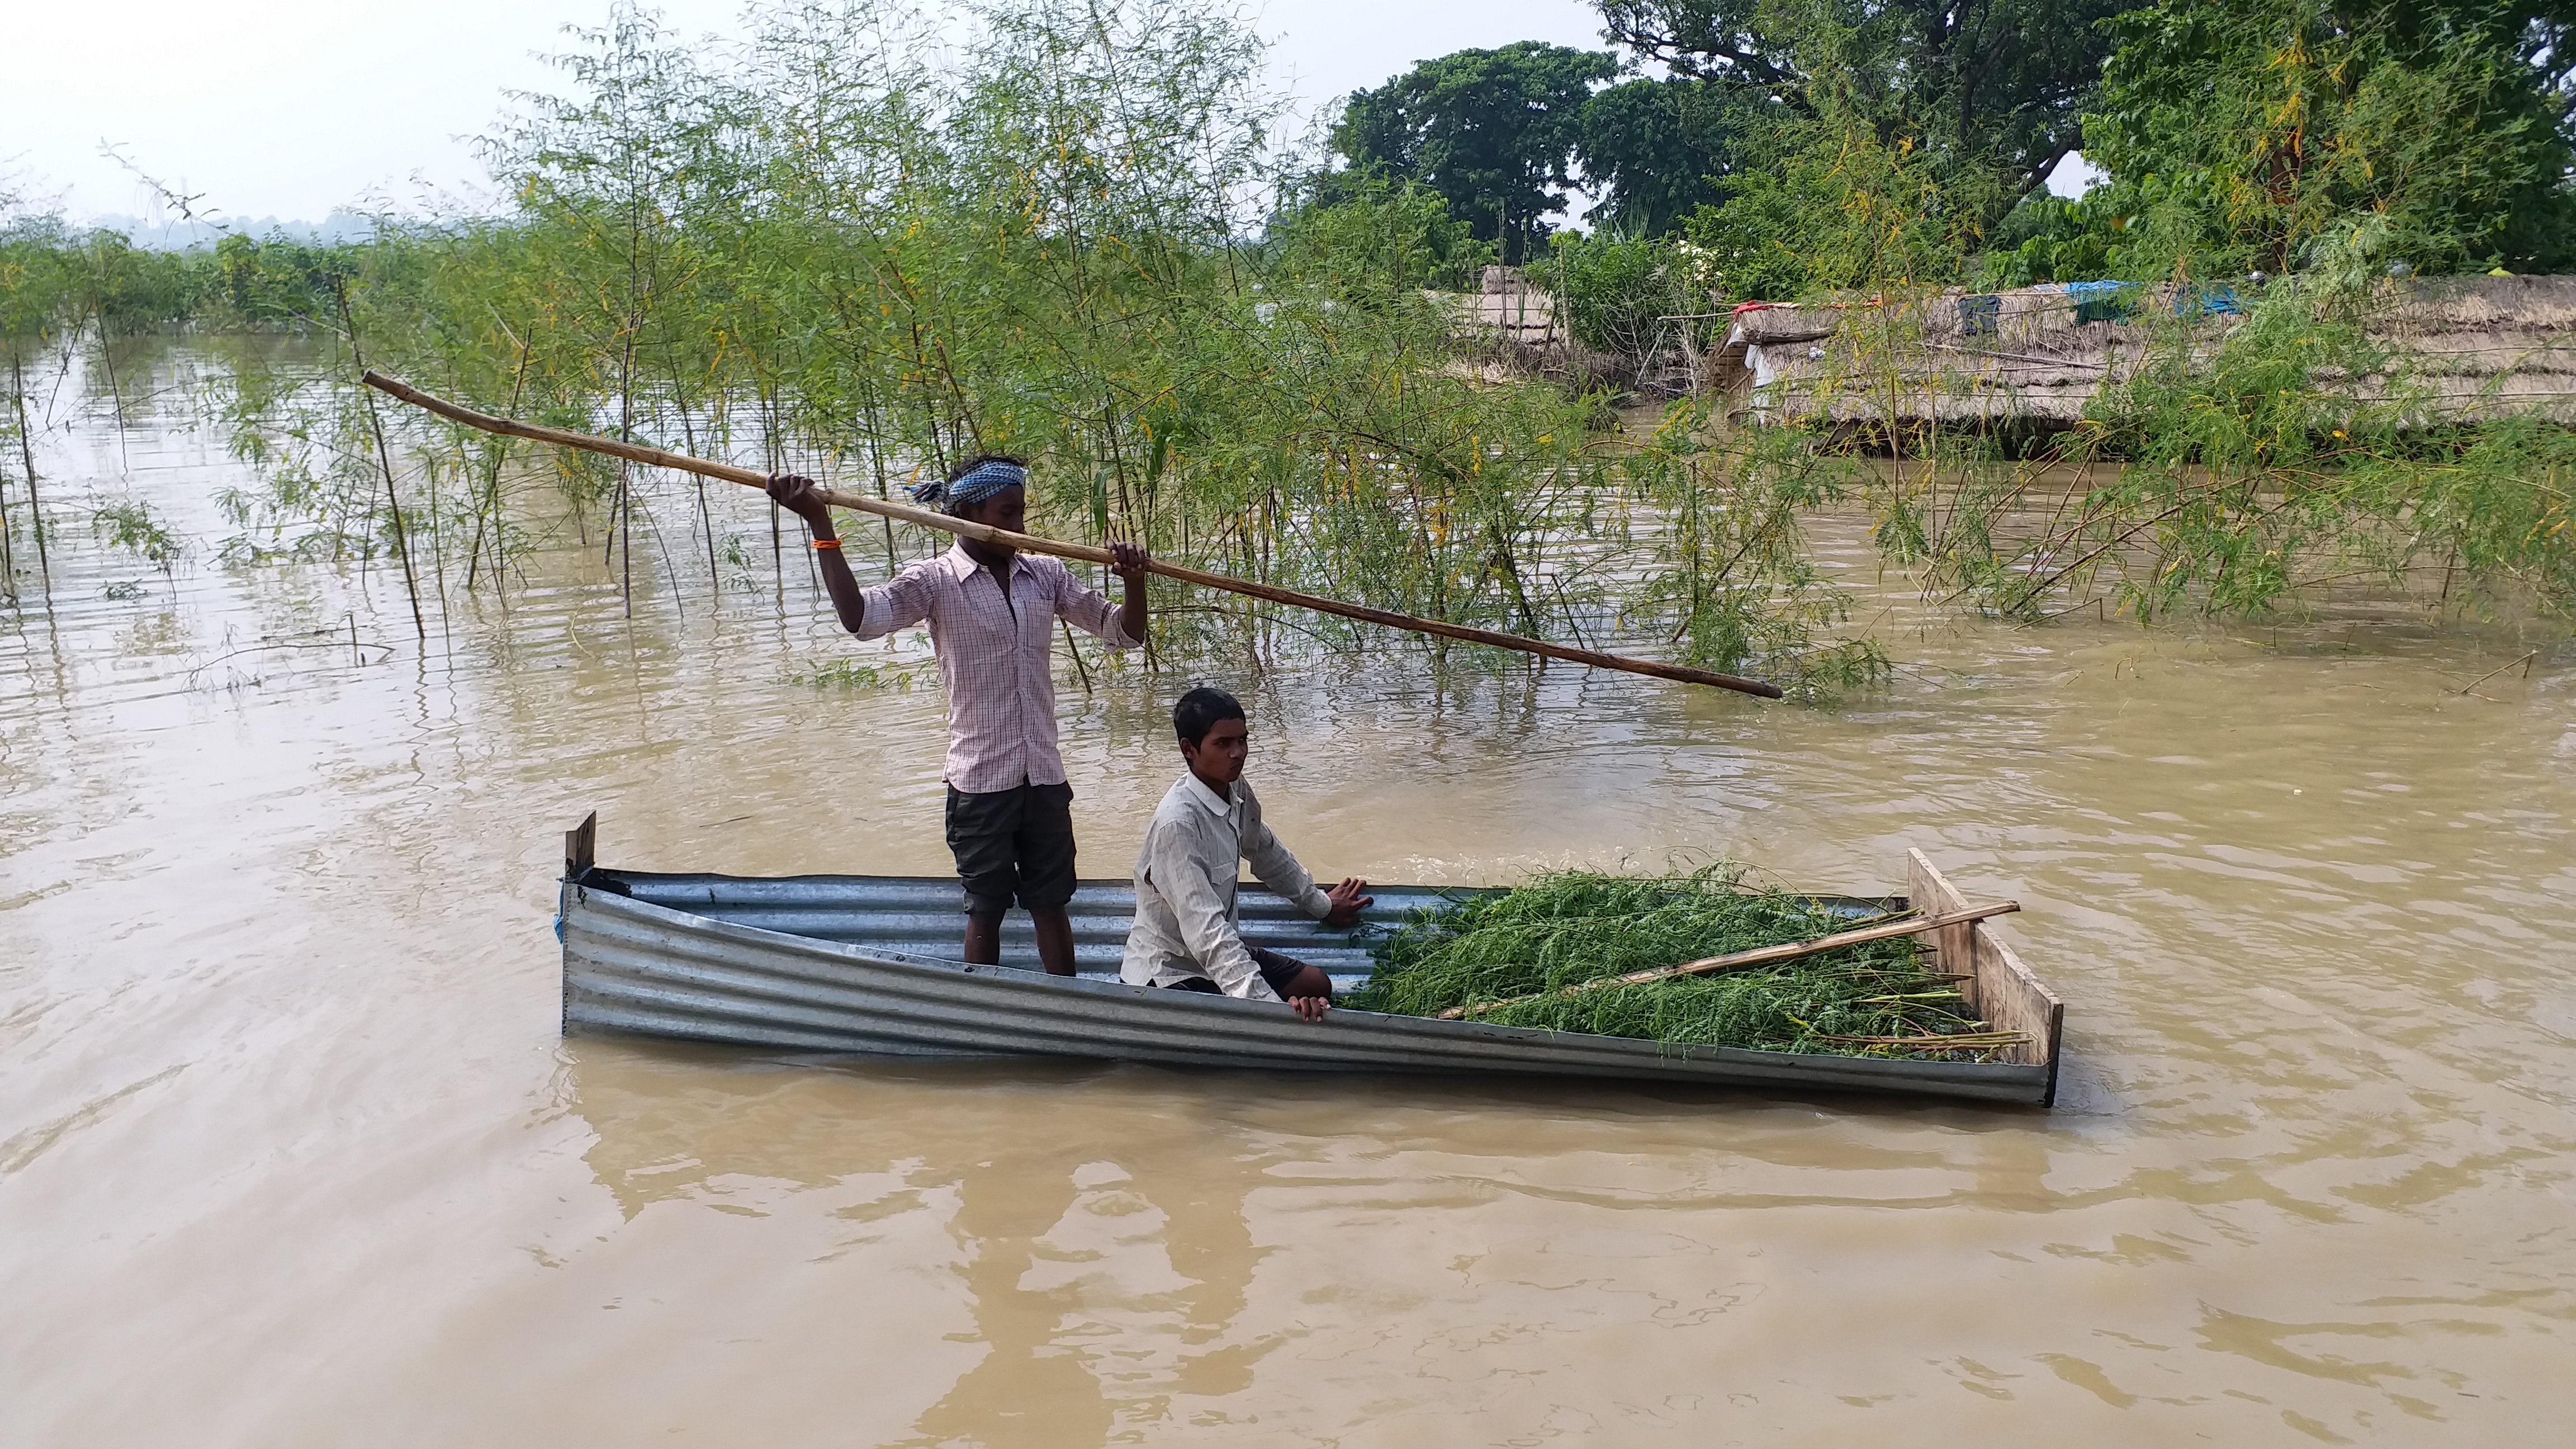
[797, 494]
[1347, 904]
[1311, 1007]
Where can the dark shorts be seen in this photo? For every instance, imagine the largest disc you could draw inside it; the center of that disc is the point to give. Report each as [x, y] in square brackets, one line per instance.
[1013, 845]
[1276, 969]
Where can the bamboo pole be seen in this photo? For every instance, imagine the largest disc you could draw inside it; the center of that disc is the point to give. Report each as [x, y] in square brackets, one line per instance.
[1758, 956]
[861, 503]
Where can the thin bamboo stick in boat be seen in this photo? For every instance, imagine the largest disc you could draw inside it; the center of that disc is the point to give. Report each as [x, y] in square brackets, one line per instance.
[862, 503]
[1970, 1041]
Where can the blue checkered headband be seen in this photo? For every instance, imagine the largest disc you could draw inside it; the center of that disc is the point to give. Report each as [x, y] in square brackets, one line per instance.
[972, 488]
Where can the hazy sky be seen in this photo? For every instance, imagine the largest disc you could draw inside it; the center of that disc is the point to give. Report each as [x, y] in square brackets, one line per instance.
[289, 108]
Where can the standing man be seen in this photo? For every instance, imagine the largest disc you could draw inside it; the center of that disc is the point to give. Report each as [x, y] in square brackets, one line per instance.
[1188, 934]
[992, 613]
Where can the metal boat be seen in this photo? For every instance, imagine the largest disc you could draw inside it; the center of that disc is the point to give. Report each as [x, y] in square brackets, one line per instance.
[865, 965]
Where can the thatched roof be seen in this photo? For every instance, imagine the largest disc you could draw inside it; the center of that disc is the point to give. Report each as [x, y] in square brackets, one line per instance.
[2483, 346]
[1506, 306]
[2487, 346]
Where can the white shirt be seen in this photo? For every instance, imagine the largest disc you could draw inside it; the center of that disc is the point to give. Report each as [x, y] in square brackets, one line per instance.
[1187, 923]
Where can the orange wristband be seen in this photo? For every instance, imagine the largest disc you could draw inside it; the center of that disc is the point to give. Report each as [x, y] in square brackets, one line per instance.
[822, 543]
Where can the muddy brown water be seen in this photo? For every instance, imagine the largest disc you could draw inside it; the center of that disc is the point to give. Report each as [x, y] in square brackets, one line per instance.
[291, 1152]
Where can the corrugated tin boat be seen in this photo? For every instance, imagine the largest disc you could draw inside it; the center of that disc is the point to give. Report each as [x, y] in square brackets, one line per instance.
[864, 965]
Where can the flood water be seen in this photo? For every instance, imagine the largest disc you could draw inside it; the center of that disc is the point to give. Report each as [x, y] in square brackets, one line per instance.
[292, 1152]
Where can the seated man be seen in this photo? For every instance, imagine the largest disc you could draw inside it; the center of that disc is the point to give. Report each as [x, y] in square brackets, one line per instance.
[1188, 935]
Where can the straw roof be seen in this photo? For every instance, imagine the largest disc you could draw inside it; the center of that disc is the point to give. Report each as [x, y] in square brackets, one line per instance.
[1506, 307]
[2478, 347]
[2486, 347]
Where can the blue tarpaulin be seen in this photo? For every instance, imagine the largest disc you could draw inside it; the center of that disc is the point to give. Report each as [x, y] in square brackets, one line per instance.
[2099, 301]
[2114, 301]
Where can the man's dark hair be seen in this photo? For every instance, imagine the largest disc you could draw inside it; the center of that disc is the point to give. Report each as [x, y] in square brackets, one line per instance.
[980, 459]
[1198, 711]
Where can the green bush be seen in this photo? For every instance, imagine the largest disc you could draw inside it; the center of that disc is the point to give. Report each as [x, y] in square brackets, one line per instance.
[1614, 292]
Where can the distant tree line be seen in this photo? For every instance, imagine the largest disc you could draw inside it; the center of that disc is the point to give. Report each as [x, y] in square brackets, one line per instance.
[1824, 143]
[848, 245]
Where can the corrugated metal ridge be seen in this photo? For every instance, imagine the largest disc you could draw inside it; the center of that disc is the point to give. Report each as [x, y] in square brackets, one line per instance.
[790, 1013]
[919, 915]
[635, 966]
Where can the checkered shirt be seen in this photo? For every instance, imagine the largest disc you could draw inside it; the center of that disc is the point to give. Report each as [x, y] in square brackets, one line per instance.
[996, 657]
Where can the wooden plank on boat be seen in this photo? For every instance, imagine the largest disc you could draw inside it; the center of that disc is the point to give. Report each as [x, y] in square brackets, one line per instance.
[1998, 987]
[581, 847]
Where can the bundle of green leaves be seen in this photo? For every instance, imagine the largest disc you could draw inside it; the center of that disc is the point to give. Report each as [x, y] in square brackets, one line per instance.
[1566, 928]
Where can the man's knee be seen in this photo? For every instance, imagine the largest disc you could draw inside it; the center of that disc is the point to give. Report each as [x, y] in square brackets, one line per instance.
[1291, 977]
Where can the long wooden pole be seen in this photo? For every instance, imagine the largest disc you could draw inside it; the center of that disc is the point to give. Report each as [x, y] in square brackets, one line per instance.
[1758, 956]
[861, 503]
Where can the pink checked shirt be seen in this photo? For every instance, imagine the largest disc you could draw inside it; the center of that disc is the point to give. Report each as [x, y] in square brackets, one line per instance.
[996, 657]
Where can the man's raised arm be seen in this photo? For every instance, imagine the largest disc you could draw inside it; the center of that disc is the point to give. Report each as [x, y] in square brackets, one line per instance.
[798, 495]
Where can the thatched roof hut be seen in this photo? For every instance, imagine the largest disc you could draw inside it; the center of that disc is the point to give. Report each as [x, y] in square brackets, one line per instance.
[1506, 307]
[2480, 347]
[2486, 347]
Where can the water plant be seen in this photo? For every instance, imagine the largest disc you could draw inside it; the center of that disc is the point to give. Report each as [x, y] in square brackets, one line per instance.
[849, 674]
[131, 525]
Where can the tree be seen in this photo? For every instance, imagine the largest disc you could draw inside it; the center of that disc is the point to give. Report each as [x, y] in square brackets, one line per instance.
[2258, 128]
[1659, 149]
[1494, 132]
[1376, 243]
[1974, 80]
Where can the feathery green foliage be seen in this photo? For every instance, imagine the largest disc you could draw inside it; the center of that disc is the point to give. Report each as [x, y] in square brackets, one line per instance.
[2246, 469]
[1571, 927]
[831, 253]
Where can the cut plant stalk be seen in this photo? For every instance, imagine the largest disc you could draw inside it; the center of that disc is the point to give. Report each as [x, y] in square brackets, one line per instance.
[1981, 1041]
[861, 503]
[1747, 960]
[1580, 952]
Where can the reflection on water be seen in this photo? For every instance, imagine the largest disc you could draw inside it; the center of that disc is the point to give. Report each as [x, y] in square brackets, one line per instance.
[1100, 1288]
[289, 1143]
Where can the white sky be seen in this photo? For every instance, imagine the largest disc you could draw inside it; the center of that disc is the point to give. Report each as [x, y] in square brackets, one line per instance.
[288, 108]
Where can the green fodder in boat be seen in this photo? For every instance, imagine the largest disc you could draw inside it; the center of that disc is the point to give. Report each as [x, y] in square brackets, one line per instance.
[1570, 927]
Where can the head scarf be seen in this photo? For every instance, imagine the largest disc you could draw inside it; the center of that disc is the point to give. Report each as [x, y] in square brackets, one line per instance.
[958, 494]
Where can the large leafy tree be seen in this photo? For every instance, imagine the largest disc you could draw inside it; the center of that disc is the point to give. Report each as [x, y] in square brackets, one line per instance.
[1658, 150]
[2256, 129]
[2001, 81]
[1494, 132]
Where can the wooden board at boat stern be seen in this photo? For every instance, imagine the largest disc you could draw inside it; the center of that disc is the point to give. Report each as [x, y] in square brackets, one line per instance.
[2000, 988]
